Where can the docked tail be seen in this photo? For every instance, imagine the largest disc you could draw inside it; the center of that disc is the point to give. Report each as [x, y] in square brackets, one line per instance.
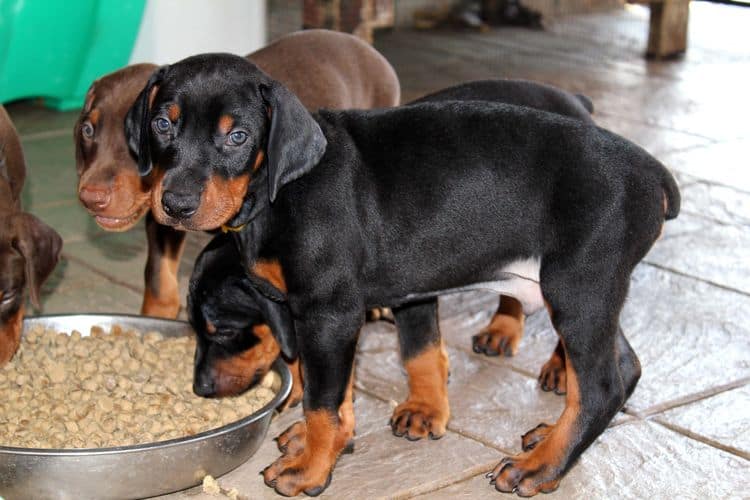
[586, 102]
[671, 195]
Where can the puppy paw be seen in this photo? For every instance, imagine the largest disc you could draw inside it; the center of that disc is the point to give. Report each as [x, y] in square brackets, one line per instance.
[292, 440]
[552, 376]
[525, 475]
[292, 475]
[416, 420]
[501, 336]
[535, 436]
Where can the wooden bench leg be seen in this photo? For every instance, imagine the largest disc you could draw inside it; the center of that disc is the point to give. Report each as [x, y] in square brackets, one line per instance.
[668, 27]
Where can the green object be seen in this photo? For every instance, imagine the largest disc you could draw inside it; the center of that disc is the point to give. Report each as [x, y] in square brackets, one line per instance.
[55, 48]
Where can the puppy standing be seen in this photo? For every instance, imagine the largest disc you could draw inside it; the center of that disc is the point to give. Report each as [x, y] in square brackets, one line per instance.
[29, 249]
[324, 68]
[225, 303]
[358, 209]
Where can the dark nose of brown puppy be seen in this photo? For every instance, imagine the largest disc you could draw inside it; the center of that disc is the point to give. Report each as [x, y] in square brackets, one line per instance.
[95, 197]
[179, 205]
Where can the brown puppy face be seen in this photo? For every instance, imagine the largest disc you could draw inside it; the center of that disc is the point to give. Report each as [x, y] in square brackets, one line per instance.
[109, 185]
[207, 125]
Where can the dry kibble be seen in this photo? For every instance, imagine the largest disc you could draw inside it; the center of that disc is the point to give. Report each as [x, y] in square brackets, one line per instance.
[110, 389]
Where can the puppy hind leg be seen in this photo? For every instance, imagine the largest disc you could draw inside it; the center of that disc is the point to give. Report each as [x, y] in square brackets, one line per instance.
[426, 411]
[503, 334]
[585, 315]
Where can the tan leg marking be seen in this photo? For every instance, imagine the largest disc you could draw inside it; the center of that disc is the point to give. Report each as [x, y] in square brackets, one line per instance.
[504, 333]
[426, 410]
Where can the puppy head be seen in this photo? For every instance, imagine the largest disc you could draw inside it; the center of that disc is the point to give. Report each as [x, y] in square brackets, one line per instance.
[29, 251]
[240, 333]
[109, 185]
[208, 125]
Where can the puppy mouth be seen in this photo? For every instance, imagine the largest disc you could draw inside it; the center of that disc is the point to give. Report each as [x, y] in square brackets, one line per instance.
[120, 223]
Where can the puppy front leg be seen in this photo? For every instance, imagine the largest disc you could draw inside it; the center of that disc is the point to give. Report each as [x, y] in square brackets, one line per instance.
[161, 296]
[426, 411]
[327, 345]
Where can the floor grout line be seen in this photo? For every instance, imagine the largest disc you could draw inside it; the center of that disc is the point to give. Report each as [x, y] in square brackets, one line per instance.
[693, 277]
[465, 475]
[689, 399]
[702, 439]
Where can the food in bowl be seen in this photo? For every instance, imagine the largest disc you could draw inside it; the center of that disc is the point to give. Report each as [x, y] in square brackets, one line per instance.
[110, 389]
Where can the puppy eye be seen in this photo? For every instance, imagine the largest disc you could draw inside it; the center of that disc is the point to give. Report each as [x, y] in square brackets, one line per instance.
[237, 138]
[87, 130]
[161, 125]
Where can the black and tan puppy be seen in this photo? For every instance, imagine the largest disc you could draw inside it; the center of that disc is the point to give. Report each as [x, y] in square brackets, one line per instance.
[323, 68]
[357, 209]
[29, 248]
[234, 321]
[231, 367]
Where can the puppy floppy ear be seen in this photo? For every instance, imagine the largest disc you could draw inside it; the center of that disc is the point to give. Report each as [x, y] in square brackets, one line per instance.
[295, 142]
[279, 320]
[40, 247]
[137, 122]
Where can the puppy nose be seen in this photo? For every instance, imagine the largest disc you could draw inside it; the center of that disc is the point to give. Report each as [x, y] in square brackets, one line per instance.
[179, 205]
[95, 197]
[204, 386]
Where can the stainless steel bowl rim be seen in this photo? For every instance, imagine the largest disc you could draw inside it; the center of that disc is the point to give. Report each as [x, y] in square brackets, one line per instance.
[279, 366]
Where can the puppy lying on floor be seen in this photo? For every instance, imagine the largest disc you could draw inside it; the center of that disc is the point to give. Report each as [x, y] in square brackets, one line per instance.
[228, 309]
[29, 248]
[359, 209]
[325, 69]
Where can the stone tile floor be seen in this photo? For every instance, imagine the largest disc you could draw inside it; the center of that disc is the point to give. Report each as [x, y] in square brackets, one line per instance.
[686, 430]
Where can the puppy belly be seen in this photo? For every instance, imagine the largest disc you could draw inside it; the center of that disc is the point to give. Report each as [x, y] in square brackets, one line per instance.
[518, 279]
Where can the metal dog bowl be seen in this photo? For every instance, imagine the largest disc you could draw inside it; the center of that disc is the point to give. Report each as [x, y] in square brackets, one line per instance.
[136, 471]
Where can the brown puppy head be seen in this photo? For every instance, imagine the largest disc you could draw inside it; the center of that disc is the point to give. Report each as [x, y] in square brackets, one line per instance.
[29, 251]
[109, 185]
[203, 124]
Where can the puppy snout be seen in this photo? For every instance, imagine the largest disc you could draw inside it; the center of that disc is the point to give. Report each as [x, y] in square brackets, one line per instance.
[179, 205]
[204, 386]
[95, 197]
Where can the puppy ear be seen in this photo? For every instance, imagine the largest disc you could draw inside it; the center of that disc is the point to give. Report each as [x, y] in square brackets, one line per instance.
[295, 143]
[279, 320]
[138, 122]
[40, 247]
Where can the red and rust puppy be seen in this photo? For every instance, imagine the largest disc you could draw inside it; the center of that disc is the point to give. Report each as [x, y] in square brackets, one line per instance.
[324, 68]
[29, 249]
[359, 209]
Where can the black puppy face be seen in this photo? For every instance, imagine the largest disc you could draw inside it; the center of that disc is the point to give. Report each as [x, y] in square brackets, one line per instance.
[232, 354]
[240, 333]
[207, 125]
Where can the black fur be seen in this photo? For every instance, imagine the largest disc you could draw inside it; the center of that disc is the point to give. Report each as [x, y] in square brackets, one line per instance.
[221, 293]
[431, 197]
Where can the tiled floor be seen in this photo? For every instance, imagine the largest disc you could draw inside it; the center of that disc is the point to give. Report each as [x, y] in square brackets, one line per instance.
[686, 430]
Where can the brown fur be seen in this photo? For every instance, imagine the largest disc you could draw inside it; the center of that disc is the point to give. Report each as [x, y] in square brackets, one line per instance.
[10, 335]
[504, 333]
[29, 249]
[234, 375]
[426, 411]
[270, 270]
[351, 75]
[311, 449]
